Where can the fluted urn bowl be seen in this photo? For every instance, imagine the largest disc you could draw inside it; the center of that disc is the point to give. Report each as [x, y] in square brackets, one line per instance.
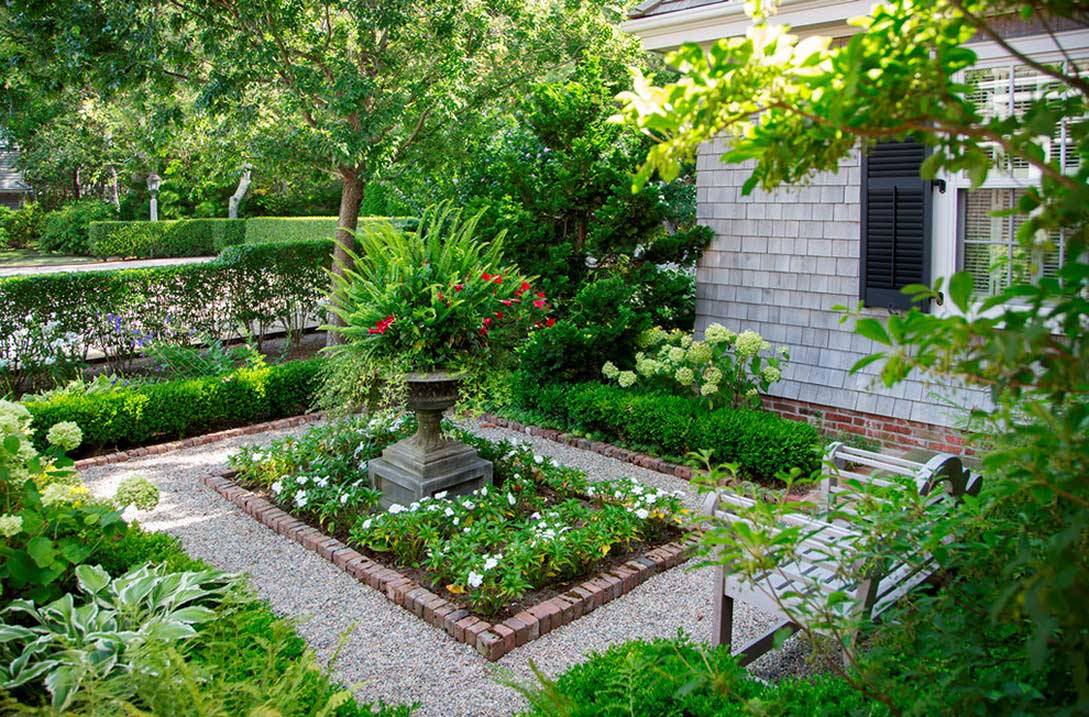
[428, 462]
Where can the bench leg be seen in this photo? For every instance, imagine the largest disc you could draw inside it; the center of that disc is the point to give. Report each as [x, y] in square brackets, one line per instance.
[722, 624]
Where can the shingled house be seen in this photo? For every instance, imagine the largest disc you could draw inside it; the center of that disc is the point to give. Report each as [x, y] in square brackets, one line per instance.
[781, 260]
[14, 190]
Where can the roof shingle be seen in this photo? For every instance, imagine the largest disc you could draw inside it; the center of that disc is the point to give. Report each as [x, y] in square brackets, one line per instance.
[661, 7]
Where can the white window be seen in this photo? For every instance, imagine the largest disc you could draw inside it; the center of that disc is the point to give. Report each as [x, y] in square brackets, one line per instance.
[986, 245]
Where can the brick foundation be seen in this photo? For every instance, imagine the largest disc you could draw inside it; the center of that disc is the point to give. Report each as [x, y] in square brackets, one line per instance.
[891, 433]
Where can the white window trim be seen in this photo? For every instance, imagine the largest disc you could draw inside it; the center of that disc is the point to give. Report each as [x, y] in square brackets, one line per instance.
[945, 245]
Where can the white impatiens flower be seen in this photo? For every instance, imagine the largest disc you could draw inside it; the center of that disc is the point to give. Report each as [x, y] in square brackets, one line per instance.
[367, 523]
[396, 508]
[590, 491]
[440, 495]
[511, 499]
[642, 514]
[637, 488]
[449, 512]
[475, 579]
[555, 463]
[257, 457]
[414, 507]
[343, 498]
[300, 499]
[650, 498]
[491, 562]
[538, 459]
[469, 505]
[276, 488]
[321, 482]
[483, 491]
[301, 480]
[456, 521]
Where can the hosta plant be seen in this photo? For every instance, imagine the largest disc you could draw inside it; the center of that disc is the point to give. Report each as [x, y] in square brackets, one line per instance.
[62, 644]
[724, 369]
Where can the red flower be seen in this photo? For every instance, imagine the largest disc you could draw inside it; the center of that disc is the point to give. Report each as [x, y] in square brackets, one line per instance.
[541, 294]
[506, 302]
[540, 303]
[486, 276]
[487, 321]
[498, 279]
[381, 326]
[550, 321]
[522, 289]
[498, 314]
[458, 287]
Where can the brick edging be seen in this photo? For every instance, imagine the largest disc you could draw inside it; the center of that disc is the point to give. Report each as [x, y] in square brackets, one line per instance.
[643, 460]
[156, 449]
[490, 640]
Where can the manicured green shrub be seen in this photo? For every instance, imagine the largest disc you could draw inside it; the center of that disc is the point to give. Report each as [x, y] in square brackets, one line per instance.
[677, 677]
[762, 443]
[260, 287]
[601, 325]
[67, 230]
[148, 413]
[178, 238]
[275, 229]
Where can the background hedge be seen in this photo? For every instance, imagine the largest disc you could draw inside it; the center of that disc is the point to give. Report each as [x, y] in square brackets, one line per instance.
[148, 240]
[762, 443]
[156, 412]
[277, 229]
[253, 289]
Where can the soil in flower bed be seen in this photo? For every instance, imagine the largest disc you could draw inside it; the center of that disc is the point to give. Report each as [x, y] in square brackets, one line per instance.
[538, 531]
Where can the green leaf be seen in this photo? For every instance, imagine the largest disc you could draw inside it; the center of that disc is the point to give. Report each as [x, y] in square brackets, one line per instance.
[960, 290]
[92, 578]
[873, 330]
[41, 551]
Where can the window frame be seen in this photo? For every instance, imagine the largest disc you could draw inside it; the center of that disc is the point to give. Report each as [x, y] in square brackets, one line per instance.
[946, 250]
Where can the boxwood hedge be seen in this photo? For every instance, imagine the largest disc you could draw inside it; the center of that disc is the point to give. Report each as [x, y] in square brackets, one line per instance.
[762, 443]
[257, 287]
[150, 413]
[178, 238]
[277, 229]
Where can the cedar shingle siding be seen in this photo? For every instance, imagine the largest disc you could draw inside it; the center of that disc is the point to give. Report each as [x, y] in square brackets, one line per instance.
[661, 7]
[778, 264]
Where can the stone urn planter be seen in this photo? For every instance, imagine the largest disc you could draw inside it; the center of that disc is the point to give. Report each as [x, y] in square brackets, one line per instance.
[428, 462]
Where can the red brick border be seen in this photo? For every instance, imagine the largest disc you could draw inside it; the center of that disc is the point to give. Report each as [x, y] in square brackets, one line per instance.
[154, 450]
[490, 640]
[643, 460]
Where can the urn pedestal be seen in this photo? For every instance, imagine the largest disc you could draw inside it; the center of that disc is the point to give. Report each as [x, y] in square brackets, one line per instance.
[428, 462]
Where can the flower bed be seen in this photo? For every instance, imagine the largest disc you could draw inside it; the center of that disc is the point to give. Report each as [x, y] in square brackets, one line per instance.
[539, 529]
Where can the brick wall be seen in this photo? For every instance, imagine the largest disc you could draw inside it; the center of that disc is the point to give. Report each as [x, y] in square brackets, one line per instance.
[778, 264]
[891, 433]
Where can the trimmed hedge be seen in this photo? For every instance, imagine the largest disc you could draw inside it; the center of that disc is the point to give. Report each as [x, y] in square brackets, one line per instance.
[762, 443]
[277, 229]
[257, 287]
[176, 238]
[156, 412]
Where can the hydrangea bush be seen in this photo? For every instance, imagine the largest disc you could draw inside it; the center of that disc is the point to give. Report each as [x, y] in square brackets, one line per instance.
[540, 524]
[725, 368]
[49, 522]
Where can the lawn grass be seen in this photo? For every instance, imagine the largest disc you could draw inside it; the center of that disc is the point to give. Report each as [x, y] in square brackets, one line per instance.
[32, 257]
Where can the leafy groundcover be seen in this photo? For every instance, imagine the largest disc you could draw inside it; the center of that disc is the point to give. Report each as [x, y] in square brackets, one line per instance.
[539, 528]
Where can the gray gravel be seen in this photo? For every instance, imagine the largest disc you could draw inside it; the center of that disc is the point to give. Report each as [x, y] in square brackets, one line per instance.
[387, 653]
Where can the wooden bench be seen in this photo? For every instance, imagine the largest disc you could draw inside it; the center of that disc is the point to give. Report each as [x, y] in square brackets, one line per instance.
[826, 539]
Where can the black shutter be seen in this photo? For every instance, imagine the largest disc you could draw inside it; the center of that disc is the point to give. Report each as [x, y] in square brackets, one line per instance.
[896, 218]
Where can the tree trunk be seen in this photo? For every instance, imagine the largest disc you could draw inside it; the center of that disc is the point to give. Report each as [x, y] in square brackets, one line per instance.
[115, 189]
[239, 193]
[77, 187]
[351, 198]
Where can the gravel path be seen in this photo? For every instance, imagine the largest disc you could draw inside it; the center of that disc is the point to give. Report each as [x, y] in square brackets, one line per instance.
[387, 653]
